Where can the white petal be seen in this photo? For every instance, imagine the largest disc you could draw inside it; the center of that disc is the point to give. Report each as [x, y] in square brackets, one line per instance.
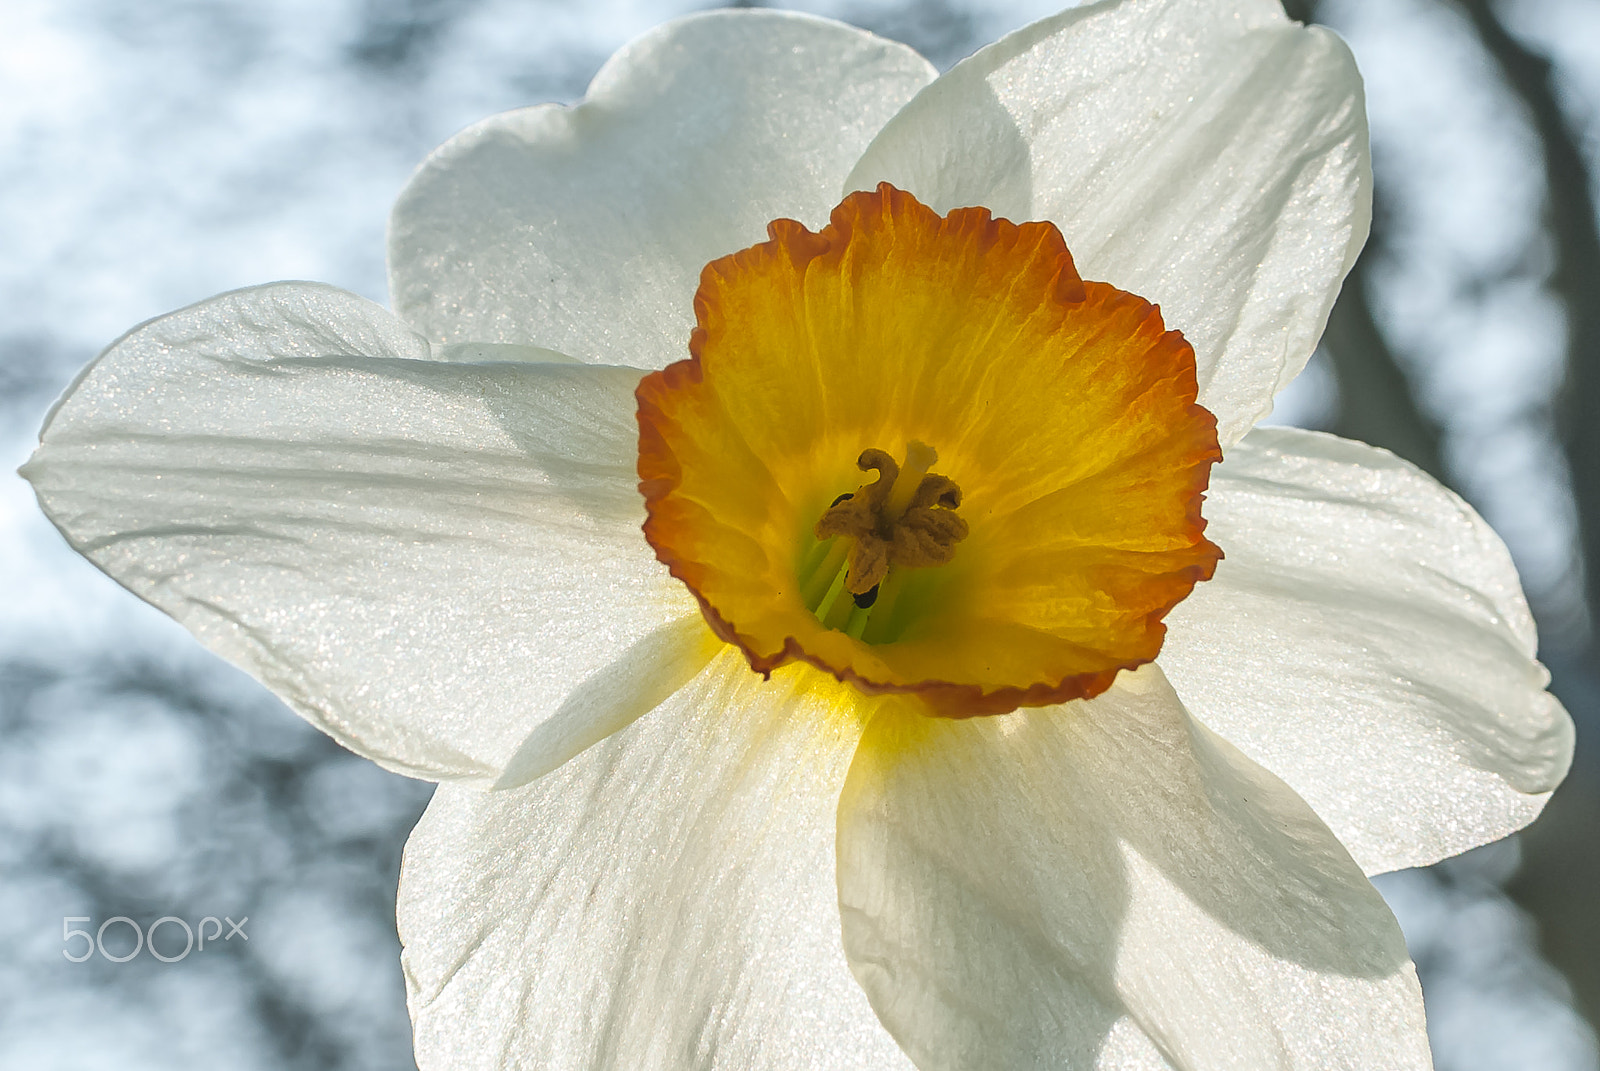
[1366, 640]
[428, 560]
[585, 228]
[1208, 155]
[664, 900]
[1037, 890]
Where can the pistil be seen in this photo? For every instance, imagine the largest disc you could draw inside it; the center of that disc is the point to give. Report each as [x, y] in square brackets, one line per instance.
[920, 457]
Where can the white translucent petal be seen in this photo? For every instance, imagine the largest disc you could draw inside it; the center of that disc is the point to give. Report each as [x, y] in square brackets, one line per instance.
[478, 352]
[428, 560]
[639, 679]
[585, 228]
[1208, 155]
[666, 900]
[1108, 884]
[1366, 640]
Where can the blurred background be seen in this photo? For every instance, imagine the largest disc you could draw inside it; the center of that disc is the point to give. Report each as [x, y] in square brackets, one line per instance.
[155, 154]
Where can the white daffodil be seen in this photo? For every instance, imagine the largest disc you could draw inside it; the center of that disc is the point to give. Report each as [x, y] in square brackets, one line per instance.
[822, 769]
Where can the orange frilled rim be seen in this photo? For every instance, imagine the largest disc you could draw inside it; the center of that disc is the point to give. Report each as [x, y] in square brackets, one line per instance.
[1063, 409]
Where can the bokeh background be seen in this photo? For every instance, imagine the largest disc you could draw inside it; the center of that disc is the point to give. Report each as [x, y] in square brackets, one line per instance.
[154, 154]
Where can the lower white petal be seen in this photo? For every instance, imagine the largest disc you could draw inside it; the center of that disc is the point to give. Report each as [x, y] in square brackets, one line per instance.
[1366, 640]
[664, 900]
[1040, 889]
[430, 560]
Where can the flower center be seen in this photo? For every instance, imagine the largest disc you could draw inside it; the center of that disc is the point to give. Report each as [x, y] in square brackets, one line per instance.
[1063, 520]
[905, 519]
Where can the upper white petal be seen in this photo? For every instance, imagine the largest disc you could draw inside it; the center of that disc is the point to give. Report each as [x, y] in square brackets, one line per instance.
[666, 900]
[1366, 640]
[1108, 884]
[1208, 155]
[585, 228]
[429, 560]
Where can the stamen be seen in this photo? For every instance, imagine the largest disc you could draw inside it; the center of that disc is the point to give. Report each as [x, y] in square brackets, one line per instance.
[830, 600]
[819, 582]
[883, 607]
[904, 519]
[837, 614]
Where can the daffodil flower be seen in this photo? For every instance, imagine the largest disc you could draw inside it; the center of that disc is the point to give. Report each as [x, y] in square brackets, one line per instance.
[896, 722]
